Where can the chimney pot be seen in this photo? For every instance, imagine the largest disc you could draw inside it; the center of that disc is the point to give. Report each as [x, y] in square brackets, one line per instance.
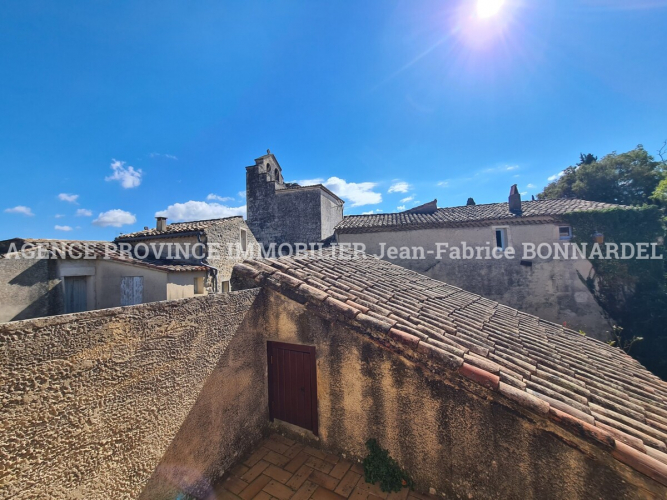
[515, 200]
[161, 223]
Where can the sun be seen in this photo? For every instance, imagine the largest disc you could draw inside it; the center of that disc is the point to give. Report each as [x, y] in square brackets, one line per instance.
[488, 8]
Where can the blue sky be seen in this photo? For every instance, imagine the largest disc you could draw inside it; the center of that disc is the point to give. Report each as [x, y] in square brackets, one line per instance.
[117, 110]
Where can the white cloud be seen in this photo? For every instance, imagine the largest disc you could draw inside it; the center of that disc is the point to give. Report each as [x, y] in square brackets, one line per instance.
[399, 187]
[71, 198]
[309, 182]
[62, 228]
[158, 155]
[199, 210]
[241, 194]
[443, 184]
[408, 199]
[20, 209]
[115, 218]
[212, 196]
[524, 193]
[400, 207]
[372, 212]
[500, 169]
[127, 176]
[359, 193]
[556, 177]
[531, 186]
[84, 212]
[59, 216]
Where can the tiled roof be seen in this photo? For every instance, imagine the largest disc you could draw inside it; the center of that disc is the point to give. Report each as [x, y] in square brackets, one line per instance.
[586, 386]
[179, 227]
[98, 250]
[466, 215]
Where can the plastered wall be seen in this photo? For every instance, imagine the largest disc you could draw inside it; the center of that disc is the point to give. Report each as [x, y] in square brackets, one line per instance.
[29, 288]
[94, 405]
[450, 434]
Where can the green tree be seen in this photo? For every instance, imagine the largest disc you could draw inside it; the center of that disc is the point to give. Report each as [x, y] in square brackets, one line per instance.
[628, 179]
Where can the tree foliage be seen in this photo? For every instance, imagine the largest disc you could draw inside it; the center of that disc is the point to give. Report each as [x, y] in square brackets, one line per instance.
[633, 293]
[627, 179]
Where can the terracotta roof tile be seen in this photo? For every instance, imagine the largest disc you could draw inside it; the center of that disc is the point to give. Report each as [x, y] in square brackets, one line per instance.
[177, 228]
[103, 249]
[467, 215]
[582, 384]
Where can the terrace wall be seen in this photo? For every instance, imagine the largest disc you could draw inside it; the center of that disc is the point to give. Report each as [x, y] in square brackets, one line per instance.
[105, 404]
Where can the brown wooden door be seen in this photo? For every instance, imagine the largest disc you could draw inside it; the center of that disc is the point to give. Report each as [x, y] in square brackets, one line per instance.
[293, 384]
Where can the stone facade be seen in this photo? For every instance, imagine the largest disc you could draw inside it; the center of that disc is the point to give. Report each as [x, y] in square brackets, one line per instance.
[221, 239]
[227, 238]
[287, 213]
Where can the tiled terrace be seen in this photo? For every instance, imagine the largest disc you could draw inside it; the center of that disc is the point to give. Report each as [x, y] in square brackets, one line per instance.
[283, 469]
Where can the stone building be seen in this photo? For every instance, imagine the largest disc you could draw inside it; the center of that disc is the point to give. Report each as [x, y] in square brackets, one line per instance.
[473, 398]
[50, 277]
[170, 261]
[550, 287]
[217, 244]
[280, 212]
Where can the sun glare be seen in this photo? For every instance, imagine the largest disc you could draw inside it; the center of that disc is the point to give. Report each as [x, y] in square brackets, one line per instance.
[488, 8]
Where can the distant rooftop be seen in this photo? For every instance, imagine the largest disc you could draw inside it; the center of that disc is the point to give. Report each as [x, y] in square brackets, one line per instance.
[78, 249]
[467, 215]
[178, 227]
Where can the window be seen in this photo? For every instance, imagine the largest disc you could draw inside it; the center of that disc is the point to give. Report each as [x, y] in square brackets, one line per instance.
[244, 240]
[131, 290]
[501, 238]
[225, 286]
[564, 233]
[75, 294]
[199, 286]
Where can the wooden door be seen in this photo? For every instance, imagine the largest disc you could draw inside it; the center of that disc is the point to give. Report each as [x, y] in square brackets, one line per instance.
[293, 384]
[75, 294]
[131, 290]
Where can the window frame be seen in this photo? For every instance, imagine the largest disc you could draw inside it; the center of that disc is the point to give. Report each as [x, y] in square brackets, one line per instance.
[199, 285]
[243, 237]
[505, 237]
[569, 236]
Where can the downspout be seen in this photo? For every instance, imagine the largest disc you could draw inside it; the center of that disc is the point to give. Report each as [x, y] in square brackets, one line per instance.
[206, 264]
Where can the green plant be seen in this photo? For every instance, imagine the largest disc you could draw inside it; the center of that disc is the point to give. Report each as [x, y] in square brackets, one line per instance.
[380, 467]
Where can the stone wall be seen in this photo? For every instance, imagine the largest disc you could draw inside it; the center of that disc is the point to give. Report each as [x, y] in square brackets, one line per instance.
[449, 433]
[279, 214]
[105, 404]
[29, 288]
[548, 288]
[223, 235]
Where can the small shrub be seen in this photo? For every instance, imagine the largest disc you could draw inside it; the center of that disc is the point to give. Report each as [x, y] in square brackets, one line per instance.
[380, 467]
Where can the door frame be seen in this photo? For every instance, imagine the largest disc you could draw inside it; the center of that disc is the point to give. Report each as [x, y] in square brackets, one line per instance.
[270, 344]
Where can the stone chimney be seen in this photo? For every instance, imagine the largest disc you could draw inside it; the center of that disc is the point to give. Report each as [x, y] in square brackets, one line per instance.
[515, 200]
[161, 223]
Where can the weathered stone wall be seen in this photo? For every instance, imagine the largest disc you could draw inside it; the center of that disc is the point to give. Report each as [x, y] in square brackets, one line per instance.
[299, 216]
[93, 402]
[224, 235]
[30, 288]
[279, 215]
[449, 433]
[551, 289]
